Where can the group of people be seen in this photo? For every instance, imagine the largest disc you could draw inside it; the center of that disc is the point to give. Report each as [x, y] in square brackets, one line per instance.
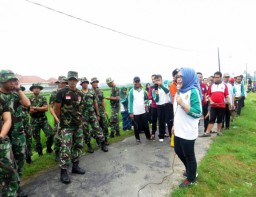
[74, 111]
[177, 105]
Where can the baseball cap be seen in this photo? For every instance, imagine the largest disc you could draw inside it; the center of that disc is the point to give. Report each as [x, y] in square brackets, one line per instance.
[136, 79]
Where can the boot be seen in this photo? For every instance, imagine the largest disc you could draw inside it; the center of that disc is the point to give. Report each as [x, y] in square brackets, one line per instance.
[64, 178]
[103, 147]
[106, 141]
[118, 133]
[28, 159]
[49, 150]
[49, 144]
[40, 152]
[112, 135]
[76, 169]
[57, 156]
[21, 193]
[90, 149]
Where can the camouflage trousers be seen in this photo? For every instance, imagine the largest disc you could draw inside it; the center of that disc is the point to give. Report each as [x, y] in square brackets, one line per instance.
[18, 141]
[114, 122]
[71, 146]
[57, 142]
[96, 132]
[103, 123]
[36, 125]
[28, 135]
[9, 178]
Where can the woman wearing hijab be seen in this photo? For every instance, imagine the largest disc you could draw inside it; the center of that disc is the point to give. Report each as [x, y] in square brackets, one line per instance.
[187, 113]
[124, 109]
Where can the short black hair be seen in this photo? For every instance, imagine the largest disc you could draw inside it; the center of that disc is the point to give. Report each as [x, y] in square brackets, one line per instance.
[158, 77]
[175, 72]
[218, 73]
[199, 73]
[154, 75]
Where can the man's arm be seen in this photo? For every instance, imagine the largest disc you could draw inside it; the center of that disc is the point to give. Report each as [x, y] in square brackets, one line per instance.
[23, 99]
[57, 109]
[96, 107]
[7, 121]
[53, 113]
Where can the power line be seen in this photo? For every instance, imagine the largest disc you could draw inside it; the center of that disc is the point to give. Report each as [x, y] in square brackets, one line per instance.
[110, 29]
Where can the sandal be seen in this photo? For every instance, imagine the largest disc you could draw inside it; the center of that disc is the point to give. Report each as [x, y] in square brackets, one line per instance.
[205, 135]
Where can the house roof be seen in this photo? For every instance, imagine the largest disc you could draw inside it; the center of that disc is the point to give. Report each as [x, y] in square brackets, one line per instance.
[31, 79]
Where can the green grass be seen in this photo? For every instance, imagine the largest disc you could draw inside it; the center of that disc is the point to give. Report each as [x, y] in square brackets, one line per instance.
[47, 162]
[229, 168]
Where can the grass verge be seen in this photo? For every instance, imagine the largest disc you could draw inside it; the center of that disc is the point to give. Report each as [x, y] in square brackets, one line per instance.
[229, 168]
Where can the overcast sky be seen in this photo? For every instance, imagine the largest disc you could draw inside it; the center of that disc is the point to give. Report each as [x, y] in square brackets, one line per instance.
[37, 41]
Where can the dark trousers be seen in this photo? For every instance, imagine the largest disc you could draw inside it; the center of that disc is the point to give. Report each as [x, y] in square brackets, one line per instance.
[154, 119]
[206, 120]
[165, 116]
[239, 104]
[185, 149]
[141, 124]
[226, 117]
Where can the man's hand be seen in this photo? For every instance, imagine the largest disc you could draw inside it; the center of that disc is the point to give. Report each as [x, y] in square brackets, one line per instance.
[17, 85]
[179, 100]
[57, 120]
[131, 116]
[108, 98]
[32, 110]
[156, 91]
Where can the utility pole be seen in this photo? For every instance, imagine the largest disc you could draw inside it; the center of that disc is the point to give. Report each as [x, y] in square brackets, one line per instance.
[219, 58]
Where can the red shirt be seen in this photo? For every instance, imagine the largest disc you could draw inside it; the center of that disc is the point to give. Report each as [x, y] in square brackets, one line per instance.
[204, 93]
[218, 93]
[150, 97]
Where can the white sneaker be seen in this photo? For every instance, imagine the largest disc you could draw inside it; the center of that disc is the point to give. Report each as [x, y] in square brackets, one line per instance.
[161, 140]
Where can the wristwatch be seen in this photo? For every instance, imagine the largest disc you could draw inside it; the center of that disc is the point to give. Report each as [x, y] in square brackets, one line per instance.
[34, 107]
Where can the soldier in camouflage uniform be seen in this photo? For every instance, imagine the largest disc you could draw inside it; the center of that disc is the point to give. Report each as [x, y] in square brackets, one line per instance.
[62, 82]
[91, 116]
[68, 108]
[8, 175]
[102, 108]
[114, 103]
[10, 87]
[27, 130]
[39, 120]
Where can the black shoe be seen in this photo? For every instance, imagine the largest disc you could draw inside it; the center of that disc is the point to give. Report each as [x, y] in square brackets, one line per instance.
[76, 169]
[21, 193]
[90, 149]
[28, 159]
[64, 178]
[112, 135]
[103, 147]
[57, 157]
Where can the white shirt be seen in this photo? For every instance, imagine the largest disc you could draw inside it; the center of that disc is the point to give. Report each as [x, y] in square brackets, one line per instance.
[138, 102]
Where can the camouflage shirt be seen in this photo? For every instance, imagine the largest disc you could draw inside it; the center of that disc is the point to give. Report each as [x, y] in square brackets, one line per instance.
[88, 100]
[71, 107]
[99, 96]
[14, 105]
[114, 93]
[3, 108]
[38, 101]
[53, 97]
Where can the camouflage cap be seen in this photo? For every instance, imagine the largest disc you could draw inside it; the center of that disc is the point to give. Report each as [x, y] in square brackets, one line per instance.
[61, 79]
[6, 75]
[94, 79]
[72, 74]
[109, 80]
[84, 80]
[36, 85]
[22, 88]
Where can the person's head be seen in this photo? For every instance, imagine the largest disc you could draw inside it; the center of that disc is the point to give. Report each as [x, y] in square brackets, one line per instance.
[136, 82]
[148, 85]
[61, 82]
[153, 78]
[187, 79]
[217, 77]
[84, 83]
[124, 90]
[72, 79]
[205, 81]
[158, 79]
[36, 88]
[232, 81]
[110, 82]
[242, 77]
[94, 82]
[8, 80]
[200, 76]
[174, 73]
[238, 79]
[226, 77]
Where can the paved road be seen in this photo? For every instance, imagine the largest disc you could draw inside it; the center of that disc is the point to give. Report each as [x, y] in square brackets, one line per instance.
[123, 171]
